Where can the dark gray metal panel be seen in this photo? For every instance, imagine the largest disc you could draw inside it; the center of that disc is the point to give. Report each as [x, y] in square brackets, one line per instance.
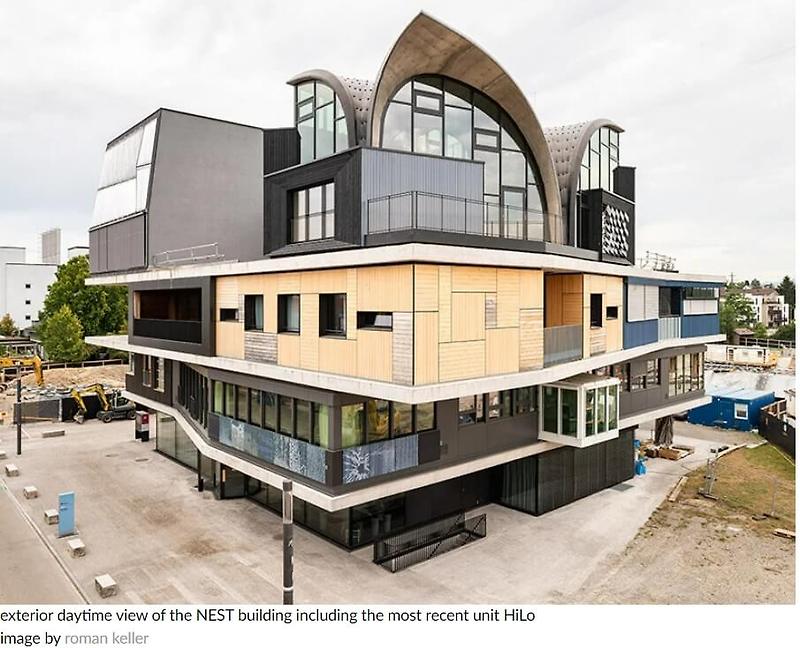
[207, 186]
[133, 382]
[281, 149]
[118, 246]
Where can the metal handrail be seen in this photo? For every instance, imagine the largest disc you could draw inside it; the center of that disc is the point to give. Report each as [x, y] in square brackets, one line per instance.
[423, 210]
[190, 254]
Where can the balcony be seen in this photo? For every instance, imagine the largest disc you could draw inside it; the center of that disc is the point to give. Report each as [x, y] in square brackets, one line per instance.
[164, 329]
[669, 328]
[421, 210]
[563, 344]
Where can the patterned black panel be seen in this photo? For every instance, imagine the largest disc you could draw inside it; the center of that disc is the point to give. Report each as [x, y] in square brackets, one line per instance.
[616, 232]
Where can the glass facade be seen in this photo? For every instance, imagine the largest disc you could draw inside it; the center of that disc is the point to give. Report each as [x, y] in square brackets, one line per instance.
[313, 213]
[686, 373]
[579, 412]
[320, 120]
[438, 116]
[375, 421]
[599, 160]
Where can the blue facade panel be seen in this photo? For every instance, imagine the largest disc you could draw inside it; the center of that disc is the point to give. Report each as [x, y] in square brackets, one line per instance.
[636, 334]
[699, 325]
[723, 408]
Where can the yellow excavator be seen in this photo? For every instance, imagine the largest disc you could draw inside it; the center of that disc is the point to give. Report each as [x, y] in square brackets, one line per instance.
[7, 362]
[115, 407]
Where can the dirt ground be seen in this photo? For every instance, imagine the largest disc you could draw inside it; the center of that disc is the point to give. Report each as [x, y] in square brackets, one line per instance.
[698, 550]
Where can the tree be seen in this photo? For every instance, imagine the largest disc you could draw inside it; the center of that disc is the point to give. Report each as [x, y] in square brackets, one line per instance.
[785, 332]
[760, 331]
[786, 288]
[62, 337]
[755, 283]
[99, 309]
[735, 312]
[7, 325]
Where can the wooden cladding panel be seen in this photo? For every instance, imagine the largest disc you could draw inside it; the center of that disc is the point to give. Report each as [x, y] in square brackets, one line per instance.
[459, 360]
[531, 339]
[227, 292]
[374, 349]
[531, 289]
[474, 279]
[402, 348]
[385, 288]
[324, 281]
[352, 302]
[230, 339]
[502, 351]
[426, 348]
[469, 317]
[309, 331]
[426, 288]
[288, 350]
[338, 356]
[289, 283]
[445, 303]
[507, 298]
[260, 346]
[564, 300]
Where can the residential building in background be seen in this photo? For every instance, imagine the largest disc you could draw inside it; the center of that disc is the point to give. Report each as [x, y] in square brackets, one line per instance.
[50, 243]
[769, 307]
[413, 301]
[77, 250]
[23, 286]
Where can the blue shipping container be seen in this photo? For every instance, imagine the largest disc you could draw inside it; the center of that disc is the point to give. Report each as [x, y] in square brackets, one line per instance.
[737, 408]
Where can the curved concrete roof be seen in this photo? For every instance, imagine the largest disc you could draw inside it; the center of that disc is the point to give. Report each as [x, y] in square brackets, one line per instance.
[354, 95]
[427, 46]
[567, 145]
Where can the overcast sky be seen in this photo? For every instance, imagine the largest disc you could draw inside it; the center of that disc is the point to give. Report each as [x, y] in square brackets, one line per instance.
[704, 90]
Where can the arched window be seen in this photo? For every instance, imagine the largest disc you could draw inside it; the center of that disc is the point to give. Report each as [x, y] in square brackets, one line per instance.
[439, 116]
[320, 121]
[600, 159]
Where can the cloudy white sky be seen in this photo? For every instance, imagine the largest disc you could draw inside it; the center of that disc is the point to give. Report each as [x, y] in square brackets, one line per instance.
[705, 91]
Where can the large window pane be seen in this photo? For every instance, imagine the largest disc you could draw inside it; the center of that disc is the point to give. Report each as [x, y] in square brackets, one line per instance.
[397, 127]
[513, 169]
[426, 418]
[341, 135]
[241, 403]
[602, 422]
[256, 408]
[321, 426]
[377, 420]
[287, 415]
[401, 419]
[550, 409]
[303, 426]
[324, 131]
[458, 133]
[590, 400]
[324, 94]
[569, 412]
[352, 425]
[219, 397]
[612, 407]
[230, 400]
[427, 134]
[270, 411]
[306, 130]
[491, 171]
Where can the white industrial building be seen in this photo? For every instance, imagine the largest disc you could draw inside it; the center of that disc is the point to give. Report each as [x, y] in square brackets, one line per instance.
[23, 286]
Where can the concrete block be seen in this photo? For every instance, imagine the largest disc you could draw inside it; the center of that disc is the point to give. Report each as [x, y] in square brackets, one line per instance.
[51, 516]
[53, 433]
[12, 470]
[30, 492]
[76, 547]
[105, 585]
[3, 454]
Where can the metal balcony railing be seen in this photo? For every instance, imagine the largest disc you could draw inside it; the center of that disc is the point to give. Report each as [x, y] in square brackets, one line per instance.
[563, 344]
[175, 330]
[420, 210]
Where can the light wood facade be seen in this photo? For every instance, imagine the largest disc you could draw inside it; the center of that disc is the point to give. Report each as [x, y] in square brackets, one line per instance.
[450, 322]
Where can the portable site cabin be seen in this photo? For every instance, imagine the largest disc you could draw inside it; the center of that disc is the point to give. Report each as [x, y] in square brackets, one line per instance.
[736, 408]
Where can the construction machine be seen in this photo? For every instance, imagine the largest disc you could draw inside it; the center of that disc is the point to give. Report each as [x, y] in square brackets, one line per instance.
[8, 362]
[112, 404]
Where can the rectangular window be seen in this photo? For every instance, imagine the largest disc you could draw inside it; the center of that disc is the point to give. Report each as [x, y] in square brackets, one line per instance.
[673, 377]
[254, 312]
[426, 416]
[499, 404]
[550, 409]
[612, 312]
[287, 415]
[377, 420]
[321, 417]
[590, 394]
[288, 313]
[374, 320]
[621, 371]
[158, 374]
[612, 407]
[219, 397]
[602, 421]
[402, 419]
[230, 400]
[228, 314]
[524, 400]
[304, 422]
[270, 411]
[740, 411]
[669, 302]
[242, 409]
[352, 425]
[147, 371]
[333, 315]
[256, 408]
[653, 373]
[569, 412]
[596, 310]
[313, 212]
[470, 410]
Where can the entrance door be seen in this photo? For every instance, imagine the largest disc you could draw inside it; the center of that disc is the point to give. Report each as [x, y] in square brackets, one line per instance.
[513, 213]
